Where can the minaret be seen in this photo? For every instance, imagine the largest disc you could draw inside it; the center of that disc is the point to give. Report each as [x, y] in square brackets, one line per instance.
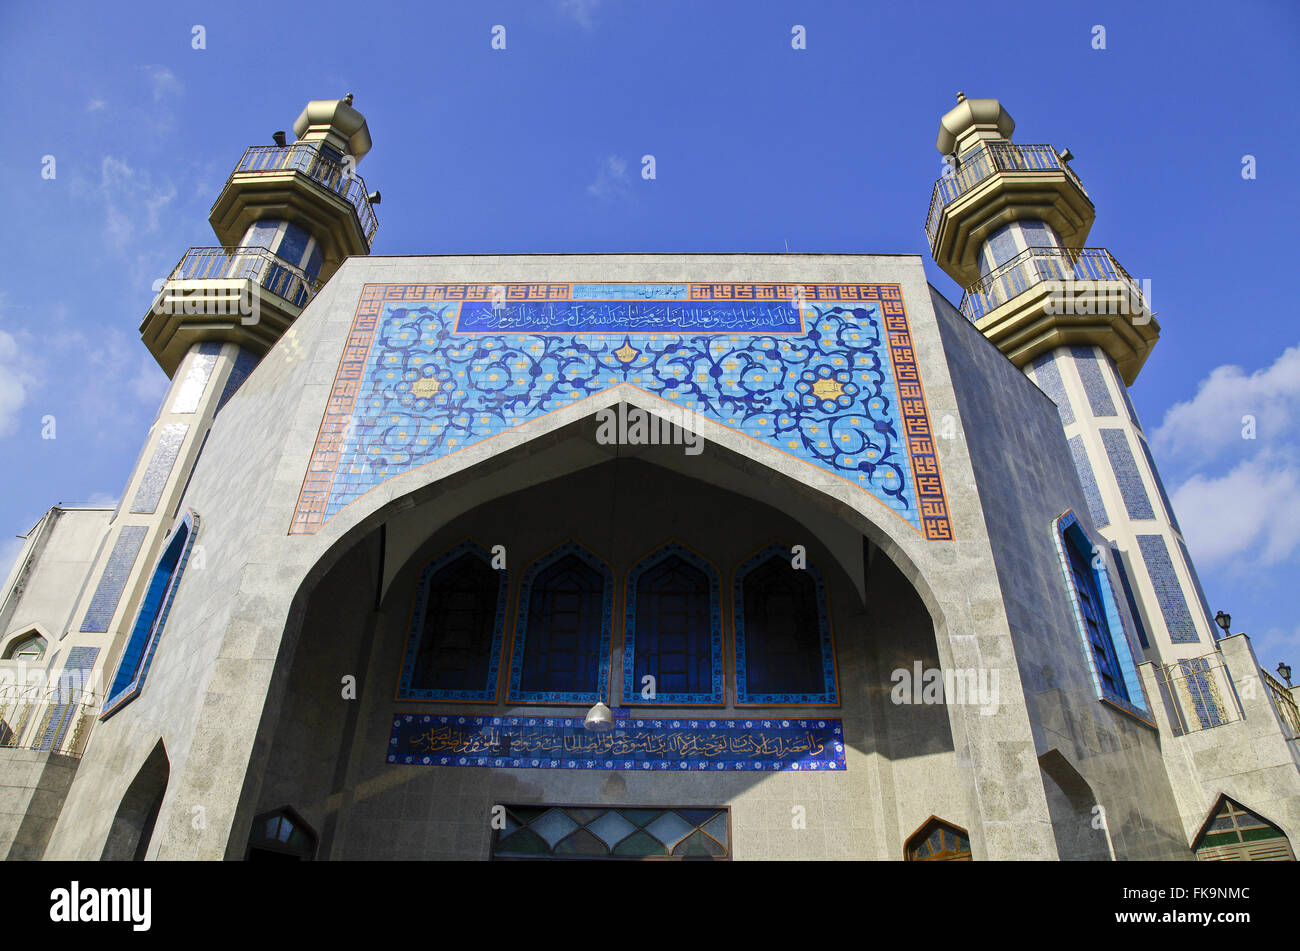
[288, 216]
[1009, 223]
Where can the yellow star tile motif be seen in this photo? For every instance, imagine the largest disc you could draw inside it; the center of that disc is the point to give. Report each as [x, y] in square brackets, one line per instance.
[828, 389]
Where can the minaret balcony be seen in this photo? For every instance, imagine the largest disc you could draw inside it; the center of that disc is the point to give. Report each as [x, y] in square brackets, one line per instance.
[247, 295]
[1046, 298]
[995, 183]
[304, 183]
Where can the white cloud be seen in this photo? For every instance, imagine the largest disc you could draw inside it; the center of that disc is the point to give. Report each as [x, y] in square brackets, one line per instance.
[1245, 519]
[96, 105]
[611, 178]
[164, 82]
[582, 11]
[15, 383]
[1210, 423]
[131, 201]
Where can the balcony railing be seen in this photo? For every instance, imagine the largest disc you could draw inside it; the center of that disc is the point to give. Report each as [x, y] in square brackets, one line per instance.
[1198, 693]
[1283, 700]
[49, 719]
[331, 174]
[1036, 265]
[985, 160]
[258, 265]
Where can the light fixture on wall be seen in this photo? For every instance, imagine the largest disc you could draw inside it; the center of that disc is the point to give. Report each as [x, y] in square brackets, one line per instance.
[599, 719]
[278, 138]
[1223, 620]
[1284, 671]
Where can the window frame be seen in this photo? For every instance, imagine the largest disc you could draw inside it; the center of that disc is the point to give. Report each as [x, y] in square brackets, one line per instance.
[1068, 530]
[415, 632]
[146, 639]
[630, 692]
[519, 640]
[826, 639]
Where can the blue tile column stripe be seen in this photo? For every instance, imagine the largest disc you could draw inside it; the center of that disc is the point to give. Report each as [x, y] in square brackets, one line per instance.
[159, 470]
[112, 582]
[1196, 582]
[1124, 467]
[1048, 377]
[1094, 384]
[1160, 486]
[1169, 593]
[72, 681]
[1091, 494]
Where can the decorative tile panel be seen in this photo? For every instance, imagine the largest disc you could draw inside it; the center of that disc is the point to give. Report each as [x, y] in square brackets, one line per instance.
[1196, 583]
[73, 680]
[1094, 383]
[1127, 477]
[1048, 377]
[191, 390]
[1169, 593]
[637, 743]
[154, 481]
[830, 378]
[1160, 485]
[1091, 494]
[1196, 673]
[111, 583]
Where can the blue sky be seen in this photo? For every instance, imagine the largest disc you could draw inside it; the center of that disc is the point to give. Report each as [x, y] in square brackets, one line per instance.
[757, 147]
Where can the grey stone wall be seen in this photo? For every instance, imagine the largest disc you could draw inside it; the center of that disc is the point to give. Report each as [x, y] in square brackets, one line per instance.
[1026, 481]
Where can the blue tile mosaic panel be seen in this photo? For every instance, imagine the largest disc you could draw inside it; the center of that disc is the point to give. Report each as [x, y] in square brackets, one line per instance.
[1169, 593]
[487, 692]
[697, 744]
[1094, 383]
[74, 679]
[1048, 377]
[1127, 477]
[196, 377]
[1196, 673]
[826, 373]
[1160, 485]
[109, 590]
[1196, 583]
[631, 692]
[165, 450]
[1088, 479]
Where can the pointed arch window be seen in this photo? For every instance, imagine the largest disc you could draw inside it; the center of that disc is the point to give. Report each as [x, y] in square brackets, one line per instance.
[29, 649]
[1235, 834]
[673, 630]
[453, 645]
[281, 836]
[1096, 614]
[562, 636]
[785, 652]
[938, 841]
[150, 620]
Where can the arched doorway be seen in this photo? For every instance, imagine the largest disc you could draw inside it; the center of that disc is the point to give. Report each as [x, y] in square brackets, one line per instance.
[1235, 834]
[132, 830]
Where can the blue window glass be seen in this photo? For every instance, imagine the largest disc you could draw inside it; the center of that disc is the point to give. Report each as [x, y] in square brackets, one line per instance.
[784, 650]
[1000, 248]
[561, 652]
[453, 647]
[1097, 616]
[138, 654]
[673, 630]
[262, 234]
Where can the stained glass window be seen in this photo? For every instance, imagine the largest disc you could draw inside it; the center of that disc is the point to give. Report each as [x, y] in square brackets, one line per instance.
[569, 832]
[1235, 834]
[938, 841]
